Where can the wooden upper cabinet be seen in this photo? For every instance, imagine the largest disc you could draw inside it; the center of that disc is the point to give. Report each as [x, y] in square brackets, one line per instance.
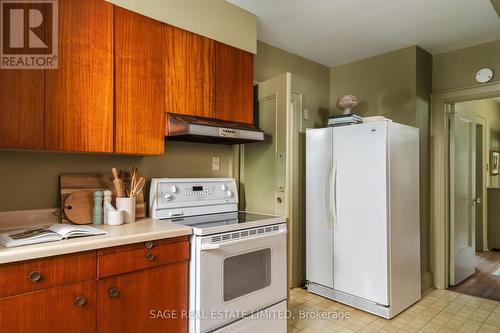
[234, 84]
[79, 94]
[189, 73]
[139, 84]
[22, 109]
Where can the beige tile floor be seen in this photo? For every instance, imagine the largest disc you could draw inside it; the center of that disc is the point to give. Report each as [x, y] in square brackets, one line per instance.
[439, 311]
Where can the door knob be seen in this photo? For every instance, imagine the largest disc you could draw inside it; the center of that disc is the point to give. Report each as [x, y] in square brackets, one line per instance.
[476, 201]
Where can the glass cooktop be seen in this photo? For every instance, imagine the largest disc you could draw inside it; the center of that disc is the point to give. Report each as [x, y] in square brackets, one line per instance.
[225, 222]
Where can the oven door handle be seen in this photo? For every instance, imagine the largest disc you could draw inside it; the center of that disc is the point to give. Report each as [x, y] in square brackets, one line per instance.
[216, 246]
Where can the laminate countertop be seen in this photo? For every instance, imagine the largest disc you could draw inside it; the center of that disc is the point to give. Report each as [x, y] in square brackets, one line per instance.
[139, 231]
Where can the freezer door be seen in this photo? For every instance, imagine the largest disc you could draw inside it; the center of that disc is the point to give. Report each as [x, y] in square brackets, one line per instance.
[361, 229]
[319, 217]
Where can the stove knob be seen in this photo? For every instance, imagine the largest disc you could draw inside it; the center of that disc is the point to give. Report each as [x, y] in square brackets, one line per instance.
[223, 187]
[168, 196]
[173, 189]
[229, 194]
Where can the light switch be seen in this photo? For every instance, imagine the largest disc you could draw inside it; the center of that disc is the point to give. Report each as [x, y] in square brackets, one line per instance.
[305, 114]
[215, 164]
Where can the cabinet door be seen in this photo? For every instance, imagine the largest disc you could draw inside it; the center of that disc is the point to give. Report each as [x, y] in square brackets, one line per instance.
[234, 84]
[140, 84]
[79, 94]
[190, 73]
[22, 110]
[142, 301]
[70, 308]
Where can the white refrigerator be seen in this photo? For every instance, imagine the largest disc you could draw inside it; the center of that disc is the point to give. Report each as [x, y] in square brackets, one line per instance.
[362, 228]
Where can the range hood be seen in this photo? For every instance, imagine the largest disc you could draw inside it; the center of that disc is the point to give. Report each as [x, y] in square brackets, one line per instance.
[208, 130]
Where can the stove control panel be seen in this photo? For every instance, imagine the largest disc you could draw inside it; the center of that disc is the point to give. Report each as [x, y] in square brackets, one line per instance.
[191, 196]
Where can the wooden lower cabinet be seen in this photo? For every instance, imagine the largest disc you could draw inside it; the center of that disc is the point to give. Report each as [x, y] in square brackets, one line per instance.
[141, 301]
[69, 308]
[92, 292]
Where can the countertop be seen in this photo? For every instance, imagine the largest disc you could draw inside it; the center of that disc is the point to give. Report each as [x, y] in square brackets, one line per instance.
[140, 231]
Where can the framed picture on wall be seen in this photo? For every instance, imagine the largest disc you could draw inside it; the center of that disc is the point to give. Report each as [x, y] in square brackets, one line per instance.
[494, 155]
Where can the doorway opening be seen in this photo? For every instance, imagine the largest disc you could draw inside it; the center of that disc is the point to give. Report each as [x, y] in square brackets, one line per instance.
[474, 229]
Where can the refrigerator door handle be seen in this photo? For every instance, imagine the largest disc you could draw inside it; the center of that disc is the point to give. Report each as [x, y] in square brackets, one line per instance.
[333, 204]
[328, 197]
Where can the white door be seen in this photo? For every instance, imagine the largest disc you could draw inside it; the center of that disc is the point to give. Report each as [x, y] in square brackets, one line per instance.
[264, 172]
[462, 197]
[360, 243]
[269, 174]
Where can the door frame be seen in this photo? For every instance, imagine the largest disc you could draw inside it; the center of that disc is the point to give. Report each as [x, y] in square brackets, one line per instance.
[440, 190]
[480, 121]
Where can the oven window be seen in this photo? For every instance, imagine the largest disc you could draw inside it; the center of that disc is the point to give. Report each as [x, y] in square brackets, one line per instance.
[246, 273]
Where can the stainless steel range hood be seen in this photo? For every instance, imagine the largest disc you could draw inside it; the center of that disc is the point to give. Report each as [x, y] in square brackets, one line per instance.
[208, 130]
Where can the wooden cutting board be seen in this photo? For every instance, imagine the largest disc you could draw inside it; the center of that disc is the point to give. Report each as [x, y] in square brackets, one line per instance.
[69, 184]
[78, 207]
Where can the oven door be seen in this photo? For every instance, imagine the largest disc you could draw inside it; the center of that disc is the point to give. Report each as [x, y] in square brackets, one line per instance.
[243, 272]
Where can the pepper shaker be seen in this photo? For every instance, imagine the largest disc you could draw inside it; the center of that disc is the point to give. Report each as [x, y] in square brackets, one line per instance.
[97, 215]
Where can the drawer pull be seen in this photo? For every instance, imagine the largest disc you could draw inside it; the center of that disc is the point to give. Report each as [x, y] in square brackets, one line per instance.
[150, 256]
[80, 301]
[114, 292]
[35, 276]
[149, 245]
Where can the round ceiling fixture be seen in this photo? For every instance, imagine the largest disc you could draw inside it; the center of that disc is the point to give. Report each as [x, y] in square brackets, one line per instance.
[484, 75]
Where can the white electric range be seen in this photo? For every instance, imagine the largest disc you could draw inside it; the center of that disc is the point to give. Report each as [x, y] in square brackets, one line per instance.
[238, 274]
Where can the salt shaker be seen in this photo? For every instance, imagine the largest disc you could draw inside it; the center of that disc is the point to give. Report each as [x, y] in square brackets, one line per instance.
[107, 199]
[97, 211]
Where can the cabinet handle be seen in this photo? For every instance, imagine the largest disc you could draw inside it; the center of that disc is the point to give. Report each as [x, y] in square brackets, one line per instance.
[150, 256]
[114, 292]
[80, 301]
[149, 245]
[35, 276]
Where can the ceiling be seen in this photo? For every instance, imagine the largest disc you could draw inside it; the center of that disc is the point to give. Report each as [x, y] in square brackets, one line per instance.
[334, 32]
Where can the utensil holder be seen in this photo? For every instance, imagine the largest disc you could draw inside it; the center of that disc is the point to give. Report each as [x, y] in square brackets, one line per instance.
[127, 205]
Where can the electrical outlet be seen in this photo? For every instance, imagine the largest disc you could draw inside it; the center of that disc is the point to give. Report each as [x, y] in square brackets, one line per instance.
[215, 164]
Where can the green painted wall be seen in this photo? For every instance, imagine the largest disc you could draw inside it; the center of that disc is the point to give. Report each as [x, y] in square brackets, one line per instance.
[396, 85]
[308, 77]
[457, 69]
[29, 180]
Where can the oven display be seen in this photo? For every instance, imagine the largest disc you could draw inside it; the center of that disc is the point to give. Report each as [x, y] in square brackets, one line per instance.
[197, 188]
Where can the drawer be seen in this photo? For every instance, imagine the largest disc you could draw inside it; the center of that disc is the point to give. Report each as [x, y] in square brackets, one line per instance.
[18, 278]
[134, 257]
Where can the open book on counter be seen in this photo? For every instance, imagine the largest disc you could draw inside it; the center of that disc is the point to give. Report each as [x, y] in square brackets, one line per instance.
[55, 232]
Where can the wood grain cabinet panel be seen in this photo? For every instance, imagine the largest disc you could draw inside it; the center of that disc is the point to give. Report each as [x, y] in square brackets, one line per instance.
[129, 258]
[131, 302]
[139, 84]
[189, 73]
[234, 84]
[22, 110]
[79, 94]
[70, 308]
[26, 276]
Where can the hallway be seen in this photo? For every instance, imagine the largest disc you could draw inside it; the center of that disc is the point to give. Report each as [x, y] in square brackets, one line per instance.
[482, 283]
